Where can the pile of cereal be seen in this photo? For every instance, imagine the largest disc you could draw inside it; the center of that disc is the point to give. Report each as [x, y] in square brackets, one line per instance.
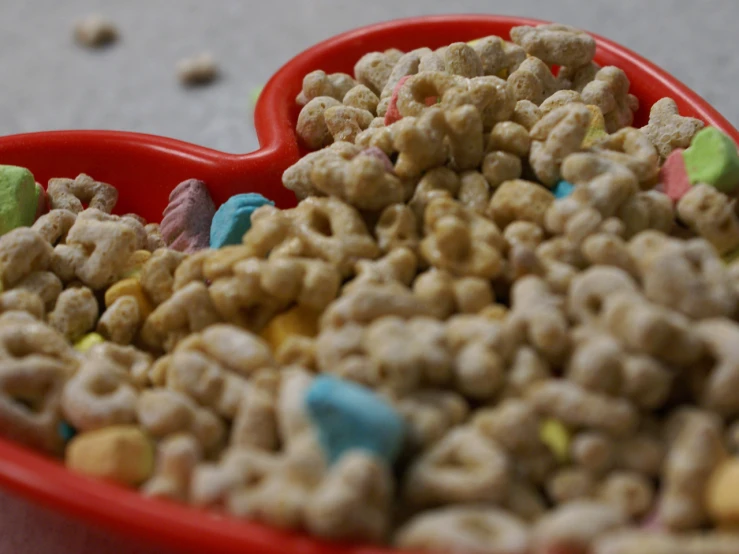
[499, 320]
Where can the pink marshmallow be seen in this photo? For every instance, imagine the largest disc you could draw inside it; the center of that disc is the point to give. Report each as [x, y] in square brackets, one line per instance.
[186, 222]
[392, 115]
[674, 176]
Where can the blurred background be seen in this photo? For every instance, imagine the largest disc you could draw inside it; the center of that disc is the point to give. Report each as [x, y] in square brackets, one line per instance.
[48, 82]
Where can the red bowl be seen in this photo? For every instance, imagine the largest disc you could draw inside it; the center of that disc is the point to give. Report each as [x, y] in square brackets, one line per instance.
[146, 168]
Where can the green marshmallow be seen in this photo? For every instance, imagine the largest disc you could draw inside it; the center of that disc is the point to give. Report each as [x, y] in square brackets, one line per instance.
[712, 159]
[18, 198]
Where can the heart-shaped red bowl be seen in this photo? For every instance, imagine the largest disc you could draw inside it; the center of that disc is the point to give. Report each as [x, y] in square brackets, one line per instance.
[145, 168]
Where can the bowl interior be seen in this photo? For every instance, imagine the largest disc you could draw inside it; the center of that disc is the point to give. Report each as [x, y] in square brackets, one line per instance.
[146, 168]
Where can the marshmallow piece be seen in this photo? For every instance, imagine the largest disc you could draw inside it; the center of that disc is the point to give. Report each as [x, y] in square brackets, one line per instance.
[563, 189]
[597, 128]
[392, 114]
[348, 416]
[187, 219]
[300, 320]
[722, 501]
[674, 176]
[233, 218]
[712, 158]
[18, 198]
[42, 203]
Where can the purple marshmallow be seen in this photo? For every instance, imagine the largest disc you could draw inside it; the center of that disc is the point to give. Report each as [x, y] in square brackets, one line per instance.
[186, 222]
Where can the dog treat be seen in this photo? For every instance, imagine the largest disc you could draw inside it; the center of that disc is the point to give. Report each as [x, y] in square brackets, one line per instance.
[499, 319]
[19, 198]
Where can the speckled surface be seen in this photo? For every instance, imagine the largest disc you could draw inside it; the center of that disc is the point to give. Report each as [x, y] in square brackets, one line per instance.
[47, 82]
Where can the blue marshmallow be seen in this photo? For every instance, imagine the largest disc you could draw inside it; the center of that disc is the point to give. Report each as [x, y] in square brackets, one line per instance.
[66, 431]
[563, 189]
[233, 218]
[348, 416]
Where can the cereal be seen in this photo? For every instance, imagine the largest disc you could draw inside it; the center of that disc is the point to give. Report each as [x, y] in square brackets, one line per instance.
[71, 194]
[521, 309]
[668, 130]
[121, 453]
[94, 31]
[186, 222]
[197, 70]
[348, 417]
[712, 158]
[233, 218]
[18, 198]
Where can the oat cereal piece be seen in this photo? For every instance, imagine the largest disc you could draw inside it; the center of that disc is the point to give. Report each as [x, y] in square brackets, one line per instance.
[95, 31]
[577, 78]
[499, 167]
[363, 181]
[165, 413]
[556, 44]
[532, 81]
[121, 320]
[460, 241]
[693, 456]
[414, 91]
[129, 287]
[609, 91]
[373, 70]
[513, 424]
[556, 136]
[71, 194]
[99, 395]
[76, 313]
[469, 529]
[133, 361]
[397, 227]
[526, 114]
[407, 64]
[590, 289]
[399, 265]
[490, 95]
[157, 274]
[19, 300]
[120, 453]
[188, 310]
[461, 59]
[437, 182]
[711, 214]
[430, 414]
[570, 485]
[297, 178]
[631, 492]
[519, 200]
[318, 83]
[23, 252]
[559, 99]
[345, 122]
[576, 406]
[511, 137]
[575, 526]
[631, 148]
[255, 423]
[446, 295]
[353, 501]
[650, 329]
[312, 127]
[668, 130]
[465, 136]
[176, 459]
[55, 225]
[720, 337]
[420, 143]
[361, 97]
[463, 467]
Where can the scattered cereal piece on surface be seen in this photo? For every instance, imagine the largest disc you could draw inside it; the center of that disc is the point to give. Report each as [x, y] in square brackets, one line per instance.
[674, 176]
[300, 320]
[94, 31]
[233, 218]
[120, 453]
[563, 189]
[187, 219]
[555, 435]
[597, 129]
[18, 198]
[198, 70]
[722, 500]
[712, 158]
[88, 341]
[348, 416]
